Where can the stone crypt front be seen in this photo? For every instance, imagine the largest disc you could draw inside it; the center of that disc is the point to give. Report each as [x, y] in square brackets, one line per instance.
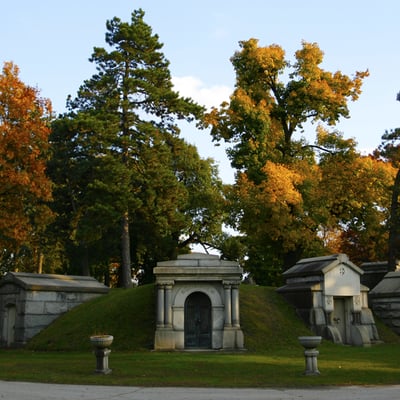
[328, 296]
[198, 303]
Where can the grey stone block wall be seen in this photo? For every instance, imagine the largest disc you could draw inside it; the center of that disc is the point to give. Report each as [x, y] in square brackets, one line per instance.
[31, 302]
[388, 311]
[385, 300]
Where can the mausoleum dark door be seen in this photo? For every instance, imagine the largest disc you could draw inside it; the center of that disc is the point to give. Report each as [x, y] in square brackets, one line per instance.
[341, 318]
[198, 321]
[9, 327]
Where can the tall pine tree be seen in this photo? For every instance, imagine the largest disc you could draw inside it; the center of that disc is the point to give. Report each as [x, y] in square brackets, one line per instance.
[121, 116]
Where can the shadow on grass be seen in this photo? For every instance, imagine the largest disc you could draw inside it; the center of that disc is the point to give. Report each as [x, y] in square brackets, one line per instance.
[338, 366]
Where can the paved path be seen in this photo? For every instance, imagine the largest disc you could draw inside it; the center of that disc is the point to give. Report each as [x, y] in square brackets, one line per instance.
[40, 391]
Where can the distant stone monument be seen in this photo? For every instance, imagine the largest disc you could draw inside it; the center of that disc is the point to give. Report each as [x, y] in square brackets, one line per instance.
[198, 303]
[385, 300]
[373, 273]
[328, 296]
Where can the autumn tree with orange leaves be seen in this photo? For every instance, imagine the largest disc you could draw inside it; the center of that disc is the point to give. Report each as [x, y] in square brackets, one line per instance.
[24, 186]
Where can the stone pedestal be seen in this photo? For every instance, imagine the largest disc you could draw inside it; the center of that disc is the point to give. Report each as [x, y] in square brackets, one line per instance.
[101, 351]
[310, 344]
[102, 361]
[311, 362]
[165, 339]
[232, 338]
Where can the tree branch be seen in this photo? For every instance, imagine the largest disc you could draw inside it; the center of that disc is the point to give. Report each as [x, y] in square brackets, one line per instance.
[314, 146]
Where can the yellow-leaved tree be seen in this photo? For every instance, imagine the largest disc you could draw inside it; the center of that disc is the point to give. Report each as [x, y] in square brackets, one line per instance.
[277, 202]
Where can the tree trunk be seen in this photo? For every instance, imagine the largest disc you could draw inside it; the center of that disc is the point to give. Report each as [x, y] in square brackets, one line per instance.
[125, 275]
[40, 264]
[394, 226]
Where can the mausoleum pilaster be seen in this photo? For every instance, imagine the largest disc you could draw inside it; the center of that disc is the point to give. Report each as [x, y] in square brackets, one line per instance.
[164, 304]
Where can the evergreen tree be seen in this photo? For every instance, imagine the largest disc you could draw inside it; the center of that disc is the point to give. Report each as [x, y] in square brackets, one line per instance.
[118, 158]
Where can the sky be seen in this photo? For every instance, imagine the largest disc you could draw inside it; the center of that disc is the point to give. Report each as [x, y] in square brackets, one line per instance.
[51, 42]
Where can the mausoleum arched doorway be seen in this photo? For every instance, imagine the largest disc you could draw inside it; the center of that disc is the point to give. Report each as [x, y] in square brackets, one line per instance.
[197, 321]
[198, 303]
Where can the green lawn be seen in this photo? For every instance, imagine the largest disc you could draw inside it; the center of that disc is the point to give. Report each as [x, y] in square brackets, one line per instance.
[62, 353]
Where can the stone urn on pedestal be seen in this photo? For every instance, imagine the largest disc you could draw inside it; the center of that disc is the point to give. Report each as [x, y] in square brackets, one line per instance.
[310, 344]
[101, 344]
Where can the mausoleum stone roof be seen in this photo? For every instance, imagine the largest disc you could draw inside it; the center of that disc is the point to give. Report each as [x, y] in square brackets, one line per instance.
[54, 283]
[198, 266]
[389, 286]
[198, 260]
[320, 266]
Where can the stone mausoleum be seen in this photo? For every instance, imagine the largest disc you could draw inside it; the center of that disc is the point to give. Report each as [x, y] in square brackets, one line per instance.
[385, 300]
[198, 303]
[30, 302]
[328, 296]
